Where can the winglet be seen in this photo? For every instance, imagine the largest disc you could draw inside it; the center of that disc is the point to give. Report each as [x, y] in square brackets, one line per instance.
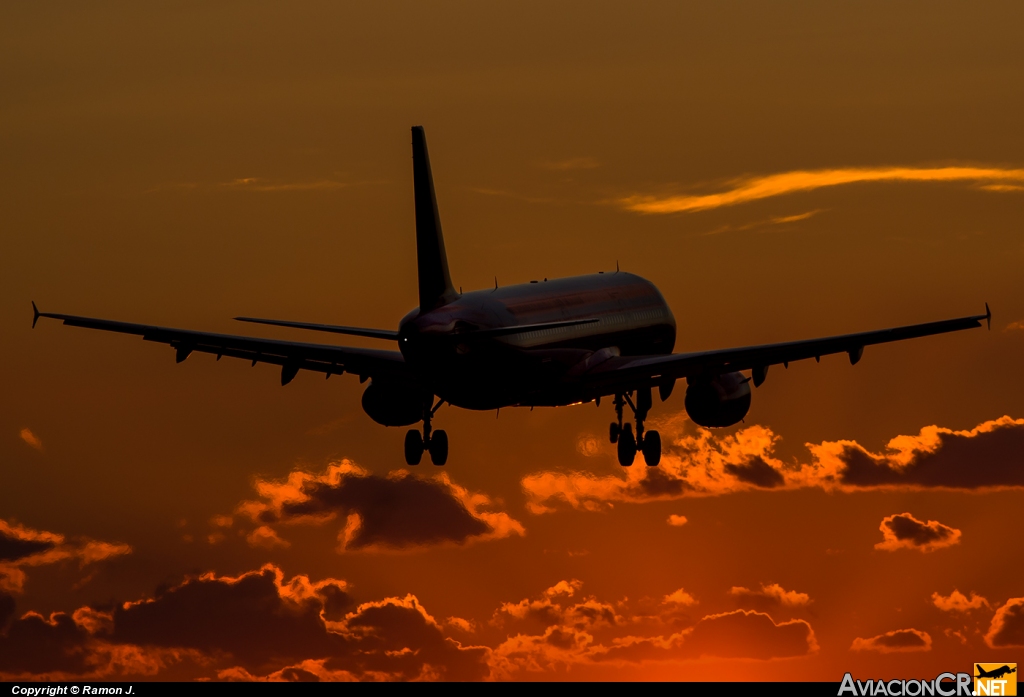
[988, 316]
[35, 314]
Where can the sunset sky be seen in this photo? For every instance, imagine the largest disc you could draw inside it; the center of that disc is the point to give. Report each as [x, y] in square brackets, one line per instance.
[780, 171]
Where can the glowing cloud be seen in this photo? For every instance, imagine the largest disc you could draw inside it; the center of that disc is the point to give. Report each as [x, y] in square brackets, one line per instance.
[398, 511]
[31, 439]
[958, 602]
[756, 188]
[904, 531]
[677, 521]
[769, 597]
[898, 641]
[1007, 628]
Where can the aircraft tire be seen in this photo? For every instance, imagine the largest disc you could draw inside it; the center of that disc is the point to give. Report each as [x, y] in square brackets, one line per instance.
[413, 447]
[438, 448]
[613, 432]
[627, 447]
[651, 448]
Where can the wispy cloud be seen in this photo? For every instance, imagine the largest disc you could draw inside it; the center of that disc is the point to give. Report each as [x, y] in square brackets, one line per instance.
[774, 220]
[571, 163]
[31, 439]
[756, 188]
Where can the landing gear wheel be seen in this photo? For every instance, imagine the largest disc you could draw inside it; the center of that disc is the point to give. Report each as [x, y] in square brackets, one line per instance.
[613, 432]
[414, 447]
[438, 448]
[627, 446]
[651, 448]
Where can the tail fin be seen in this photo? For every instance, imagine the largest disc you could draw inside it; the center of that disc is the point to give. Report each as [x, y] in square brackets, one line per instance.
[435, 284]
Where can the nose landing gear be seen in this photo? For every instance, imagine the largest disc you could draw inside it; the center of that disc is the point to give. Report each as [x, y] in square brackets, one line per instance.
[648, 443]
[435, 443]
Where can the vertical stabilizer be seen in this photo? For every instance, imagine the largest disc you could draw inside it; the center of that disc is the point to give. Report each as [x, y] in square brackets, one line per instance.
[431, 261]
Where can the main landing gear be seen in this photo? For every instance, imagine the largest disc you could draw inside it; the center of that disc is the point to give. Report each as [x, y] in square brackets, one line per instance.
[435, 443]
[649, 442]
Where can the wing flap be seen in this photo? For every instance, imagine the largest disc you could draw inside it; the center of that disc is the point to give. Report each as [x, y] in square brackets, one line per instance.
[617, 374]
[322, 358]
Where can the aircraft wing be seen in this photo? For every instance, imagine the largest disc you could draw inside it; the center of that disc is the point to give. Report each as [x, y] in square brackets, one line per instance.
[292, 356]
[625, 373]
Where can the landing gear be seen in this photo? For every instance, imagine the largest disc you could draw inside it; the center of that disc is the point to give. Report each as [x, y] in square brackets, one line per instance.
[649, 443]
[436, 444]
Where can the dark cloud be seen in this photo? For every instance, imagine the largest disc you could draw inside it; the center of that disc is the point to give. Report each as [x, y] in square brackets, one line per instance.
[704, 463]
[36, 645]
[393, 512]
[253, 618]
[1007, 628]
[263, 624]
[900, 640]
[6, 609]
[757, 472]
[904, 531]
[13, 548]
[990, 455]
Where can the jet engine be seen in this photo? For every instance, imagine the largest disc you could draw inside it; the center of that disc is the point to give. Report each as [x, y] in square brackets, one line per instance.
[719, 401]
[394, 405]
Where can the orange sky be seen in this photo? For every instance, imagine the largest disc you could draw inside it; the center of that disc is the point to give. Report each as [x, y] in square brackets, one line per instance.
[780, 172]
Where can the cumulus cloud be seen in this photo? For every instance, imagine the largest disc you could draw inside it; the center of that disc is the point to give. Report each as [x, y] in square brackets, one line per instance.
[904, 531]
[958, 602]
[1007, 628]
[757, 188]
[680, 597]
[769, 597]
[677, 521]
[898, 641]
[698, 462]
[30, 439]
[22, 547]
[397, 511]
[258, 625]
[560, 605]
[556, 636]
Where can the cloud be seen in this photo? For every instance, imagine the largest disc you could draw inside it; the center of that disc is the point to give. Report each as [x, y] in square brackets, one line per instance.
[677, 520]
[30, 438]
[22, 547]
[769, 598]
[774, 220]
[700, 462]
[756, 188]
[1014, 326]
[554, 607]
[264, 624]
[398, 511]
[904, 531]
[680, 597]
[898, 641]
[987, 456]
[1007, 628]
[556, 638]
[958, 602]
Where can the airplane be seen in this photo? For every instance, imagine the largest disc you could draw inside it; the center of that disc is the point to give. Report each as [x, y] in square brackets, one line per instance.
[995, 673]
[550, 343]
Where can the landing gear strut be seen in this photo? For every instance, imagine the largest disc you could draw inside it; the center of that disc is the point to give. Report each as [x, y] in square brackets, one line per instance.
[435, 443]
[649, 442]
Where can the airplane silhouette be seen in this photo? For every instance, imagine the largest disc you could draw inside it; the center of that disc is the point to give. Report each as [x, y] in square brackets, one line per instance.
[995, 673]
[543, 343]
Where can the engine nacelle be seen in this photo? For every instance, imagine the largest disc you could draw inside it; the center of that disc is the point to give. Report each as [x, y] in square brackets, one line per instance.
[720, 401]
[394, 405]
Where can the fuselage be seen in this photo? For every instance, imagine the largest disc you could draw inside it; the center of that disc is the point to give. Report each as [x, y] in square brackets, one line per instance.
[533, 368]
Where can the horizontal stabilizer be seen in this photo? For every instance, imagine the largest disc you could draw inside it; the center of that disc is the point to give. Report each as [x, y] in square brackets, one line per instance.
[333, 328]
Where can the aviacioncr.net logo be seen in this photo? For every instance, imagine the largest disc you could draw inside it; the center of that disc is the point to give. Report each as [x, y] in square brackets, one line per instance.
[944, 685]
